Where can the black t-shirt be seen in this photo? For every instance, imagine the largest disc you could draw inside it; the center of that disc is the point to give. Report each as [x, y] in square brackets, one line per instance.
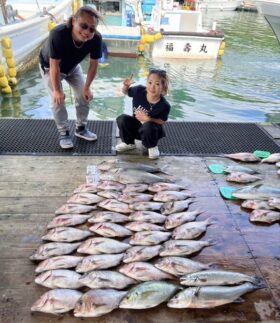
[160, 110]
[60, 46]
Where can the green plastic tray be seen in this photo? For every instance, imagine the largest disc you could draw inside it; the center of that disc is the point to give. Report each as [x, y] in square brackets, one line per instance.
[226, 192]
[262, 154]
[216, 168]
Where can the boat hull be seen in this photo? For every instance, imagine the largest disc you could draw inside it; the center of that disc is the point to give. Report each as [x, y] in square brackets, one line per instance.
[219, 5]
[186, 45]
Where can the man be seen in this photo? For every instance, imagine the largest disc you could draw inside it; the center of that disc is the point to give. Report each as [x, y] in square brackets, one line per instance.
[67, 46]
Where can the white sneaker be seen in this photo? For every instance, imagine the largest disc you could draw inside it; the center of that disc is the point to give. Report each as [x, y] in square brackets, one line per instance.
[154, 152]
[124, 147]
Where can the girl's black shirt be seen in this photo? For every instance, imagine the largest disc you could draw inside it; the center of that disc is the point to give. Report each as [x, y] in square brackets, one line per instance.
[60, 46]
[159, 110]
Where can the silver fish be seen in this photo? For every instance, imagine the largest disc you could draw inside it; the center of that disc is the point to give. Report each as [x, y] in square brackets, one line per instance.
[59, 262]
[217, 278]
[239, 168]
[99, 262]
[191, 230]
[176, 206]
[60, 278]
[141, 253]
[74, 209]
[143, 226]
[158, 187]
[183, 247]
[209, 296]
[109, 194]
[145, 206]
[67, 220]
[107, 165]
[66, 234]
[257, 192]
[256, 204]
[115, 206]
[272, 159]
[106, 279]
[132, 176]
[178, 266]
[108, 216]
[85, 198]
[149, 238]
[148, 294]
[86, 188]
[244, 156]
[265, 216]
[138, 187]
[110, 230]
[133, 197]
[169, 196]
[51, 249]
[98, 302]
[57, 301]
[239, 177]
[97, 246]
[143, 271]
[176, 219]
[110, 186]
[147, 216]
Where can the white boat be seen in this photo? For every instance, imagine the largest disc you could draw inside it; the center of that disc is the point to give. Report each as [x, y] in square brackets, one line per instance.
[221, 5]
[271, 11]
[182, 34]
[31, 30]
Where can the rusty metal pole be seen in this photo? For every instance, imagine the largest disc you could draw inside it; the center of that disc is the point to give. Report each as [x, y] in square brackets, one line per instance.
[3, 10]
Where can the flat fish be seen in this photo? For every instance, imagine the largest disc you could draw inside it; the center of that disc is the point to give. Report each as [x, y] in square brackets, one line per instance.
[57, 301]
[209, 296]
[147, 216]
[67, 220]
[110, 230]
[191, 230]
[85, 198]
[110, 185]
[176, 206]
[60, 278]
[243, 156]
[115, 206]
[133, 197]
[97, 246]
[143, 271]
[149, 238]
[98, 302]
[138, 187]
[183, 247]
[66, 234]
[274, 203]
[272, 159]
[178, 266]
[106, 279]
[145, 206]
[109, 194]
[148, 294]
[138, 226]
[132, 176]
[257, 192]
[107, 165]
[265, 216]
[74, 209]
[86, 188]
[108, 216]
[169, 196]
[239, 177]
[159, 187]
[176, 219]
[94, 262]
[256, 205]
[217, 278]
[52, 249]
[239, 168]
[141, 253]
[59, 262]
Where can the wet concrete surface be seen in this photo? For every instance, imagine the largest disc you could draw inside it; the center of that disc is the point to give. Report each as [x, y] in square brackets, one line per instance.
[32, 188]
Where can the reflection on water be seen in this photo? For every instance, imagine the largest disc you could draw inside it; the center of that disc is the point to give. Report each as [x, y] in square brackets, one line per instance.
[243, 86]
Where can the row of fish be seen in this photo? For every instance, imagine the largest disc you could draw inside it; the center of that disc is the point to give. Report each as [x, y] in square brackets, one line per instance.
[152, 217]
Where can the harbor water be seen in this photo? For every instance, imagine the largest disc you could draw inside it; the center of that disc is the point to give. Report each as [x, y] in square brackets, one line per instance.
[242, 86]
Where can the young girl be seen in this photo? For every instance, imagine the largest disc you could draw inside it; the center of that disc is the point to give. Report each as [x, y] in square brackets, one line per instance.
[150, 112]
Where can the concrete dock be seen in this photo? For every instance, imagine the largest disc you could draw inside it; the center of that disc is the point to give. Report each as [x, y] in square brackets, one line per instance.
[33, 187]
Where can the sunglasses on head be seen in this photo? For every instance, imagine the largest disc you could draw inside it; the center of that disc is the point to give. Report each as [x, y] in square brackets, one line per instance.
[157, 71]
[85, 26]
